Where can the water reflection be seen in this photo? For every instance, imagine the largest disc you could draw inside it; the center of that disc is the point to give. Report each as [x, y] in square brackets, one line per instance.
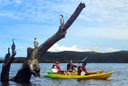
[24, 84]
[82, 80]
[85, 80]
[9, 83]
[99, 82]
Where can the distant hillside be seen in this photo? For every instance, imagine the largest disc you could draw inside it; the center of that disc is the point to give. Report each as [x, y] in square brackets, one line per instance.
[65, 56]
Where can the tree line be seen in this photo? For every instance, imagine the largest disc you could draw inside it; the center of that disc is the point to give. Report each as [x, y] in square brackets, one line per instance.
[93, 57]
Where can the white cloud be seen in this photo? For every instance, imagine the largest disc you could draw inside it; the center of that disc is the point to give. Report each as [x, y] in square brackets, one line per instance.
[56, 48]
[38, 10]
[43, 11]
[96, 48]
[112, 50]
[105, 10]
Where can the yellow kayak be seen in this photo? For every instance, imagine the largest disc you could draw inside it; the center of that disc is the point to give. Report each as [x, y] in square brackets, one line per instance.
[93, 76]
[98, 71]
[75, 73]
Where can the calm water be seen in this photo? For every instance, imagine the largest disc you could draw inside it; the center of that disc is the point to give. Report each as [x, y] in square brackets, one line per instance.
[118, 78]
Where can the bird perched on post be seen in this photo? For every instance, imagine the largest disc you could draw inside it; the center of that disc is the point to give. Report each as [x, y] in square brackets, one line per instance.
[13, 46]
[35, 43]
[61, 20]
[7, 55]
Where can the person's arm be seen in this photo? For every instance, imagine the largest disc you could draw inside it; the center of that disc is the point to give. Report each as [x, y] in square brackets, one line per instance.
[75, 65]
[68, 67]
[86, 71]
[60, 69]
[53, 66]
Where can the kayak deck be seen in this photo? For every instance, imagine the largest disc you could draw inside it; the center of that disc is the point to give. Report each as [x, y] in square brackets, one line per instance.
[75, 73]
[98, 71]
[93, 76]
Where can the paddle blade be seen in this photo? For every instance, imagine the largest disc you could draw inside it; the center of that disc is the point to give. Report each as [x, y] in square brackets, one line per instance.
[54, 70]
[82, 73]
[84, 59]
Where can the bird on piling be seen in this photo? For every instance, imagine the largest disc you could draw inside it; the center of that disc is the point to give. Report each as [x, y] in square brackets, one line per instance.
[35, 43]
[7, 55]
[13, 46]
[61, 20]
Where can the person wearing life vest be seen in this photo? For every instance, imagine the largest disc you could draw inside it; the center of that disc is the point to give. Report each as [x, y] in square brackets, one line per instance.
[60, 71]
[71, 67]
[82, 68]
[56, 66]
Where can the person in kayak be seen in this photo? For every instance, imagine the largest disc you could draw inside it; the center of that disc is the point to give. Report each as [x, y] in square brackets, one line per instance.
[71, 67]
[56, 66]
[60, 71]
[82, 68]
[79, 70]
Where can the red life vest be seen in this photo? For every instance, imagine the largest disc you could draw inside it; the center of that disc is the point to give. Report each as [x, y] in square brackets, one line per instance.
[83, 67]
[71, 66]
[58, 68]
[54, 65]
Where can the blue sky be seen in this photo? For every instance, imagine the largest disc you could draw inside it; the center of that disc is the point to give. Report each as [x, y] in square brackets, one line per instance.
[101, 26]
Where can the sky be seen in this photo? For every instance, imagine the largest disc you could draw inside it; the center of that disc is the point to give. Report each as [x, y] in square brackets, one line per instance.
[102, 26]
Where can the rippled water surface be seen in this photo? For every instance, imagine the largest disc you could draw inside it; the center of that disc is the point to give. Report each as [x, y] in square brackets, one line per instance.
[118, 78]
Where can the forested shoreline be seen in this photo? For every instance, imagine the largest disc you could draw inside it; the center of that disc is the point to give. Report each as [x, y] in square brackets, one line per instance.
[92, 57]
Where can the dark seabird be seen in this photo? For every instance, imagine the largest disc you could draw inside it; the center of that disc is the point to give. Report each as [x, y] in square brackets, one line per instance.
[35, 43]
[61, 20]
[13, 46]
[8, 54]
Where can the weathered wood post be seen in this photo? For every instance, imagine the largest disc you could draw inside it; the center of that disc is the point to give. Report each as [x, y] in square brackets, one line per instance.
[6, 68]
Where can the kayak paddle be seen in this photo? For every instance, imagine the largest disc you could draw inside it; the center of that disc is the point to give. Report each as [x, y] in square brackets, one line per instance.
[83, 60]
[54, 70]
[82, 73]
[79, 63]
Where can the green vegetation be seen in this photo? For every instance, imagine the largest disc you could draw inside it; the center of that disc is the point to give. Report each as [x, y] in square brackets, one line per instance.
[1, 61]
[65, 56]
[19, 60]
[115, 57]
